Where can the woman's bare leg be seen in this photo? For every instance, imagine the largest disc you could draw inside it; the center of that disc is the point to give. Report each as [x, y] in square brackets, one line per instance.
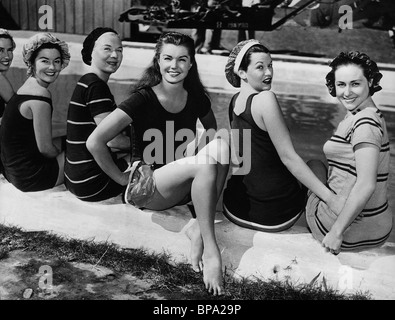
[218, 149]
[173, 182]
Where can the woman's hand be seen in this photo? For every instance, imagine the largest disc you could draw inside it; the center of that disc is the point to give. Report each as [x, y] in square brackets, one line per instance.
[332, 241]
[124, 178]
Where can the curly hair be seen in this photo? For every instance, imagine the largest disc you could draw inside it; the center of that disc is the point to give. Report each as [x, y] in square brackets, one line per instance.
[41, 41]
[369, 67]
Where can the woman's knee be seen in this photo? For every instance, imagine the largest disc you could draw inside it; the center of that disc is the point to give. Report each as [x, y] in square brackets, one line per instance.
[223, 151]
[207, 165]
[219, 149]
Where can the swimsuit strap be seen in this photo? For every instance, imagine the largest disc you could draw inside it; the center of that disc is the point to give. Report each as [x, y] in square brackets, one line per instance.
[33, 97]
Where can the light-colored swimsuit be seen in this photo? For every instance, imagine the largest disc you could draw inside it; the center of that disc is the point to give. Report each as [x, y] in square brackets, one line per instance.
[373, 225]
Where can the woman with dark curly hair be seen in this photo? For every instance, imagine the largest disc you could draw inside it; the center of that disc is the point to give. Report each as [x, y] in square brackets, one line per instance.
[358, 156]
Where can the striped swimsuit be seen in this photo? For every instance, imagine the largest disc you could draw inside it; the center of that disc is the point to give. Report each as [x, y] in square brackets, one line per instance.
[83, 176]
[373, 225]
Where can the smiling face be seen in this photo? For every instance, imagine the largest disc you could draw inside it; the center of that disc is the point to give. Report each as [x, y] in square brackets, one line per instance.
[107, 54]
[352, 87]
[6, 54]
[47, 66]
[174, 62]
[259, 73]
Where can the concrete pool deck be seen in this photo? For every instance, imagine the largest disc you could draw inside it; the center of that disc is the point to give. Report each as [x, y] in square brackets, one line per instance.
[291, 255]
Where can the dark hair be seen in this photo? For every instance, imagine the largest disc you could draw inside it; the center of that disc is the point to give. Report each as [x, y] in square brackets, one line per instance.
[47, 45]
[369, 67]
[247, 56]
[8, 36]
[152, 76]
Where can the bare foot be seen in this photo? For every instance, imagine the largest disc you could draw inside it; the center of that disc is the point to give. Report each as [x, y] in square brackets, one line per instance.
[193, 233]
[212, 274]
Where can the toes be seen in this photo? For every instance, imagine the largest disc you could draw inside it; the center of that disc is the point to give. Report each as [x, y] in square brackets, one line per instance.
[214, 290]
[196, 268]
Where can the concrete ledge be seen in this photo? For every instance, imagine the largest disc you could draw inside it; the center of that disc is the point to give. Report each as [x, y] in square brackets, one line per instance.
[292, 254]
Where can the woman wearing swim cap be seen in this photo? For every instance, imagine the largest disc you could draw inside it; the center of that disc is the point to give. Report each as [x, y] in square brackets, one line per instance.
[90, 103]
[32, 159]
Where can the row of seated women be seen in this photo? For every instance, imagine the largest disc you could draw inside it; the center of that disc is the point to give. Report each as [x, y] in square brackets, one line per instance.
[112, 150]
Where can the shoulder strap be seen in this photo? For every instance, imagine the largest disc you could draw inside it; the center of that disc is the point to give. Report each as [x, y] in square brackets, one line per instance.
[26, 97]
[249, 101]
[231, 107]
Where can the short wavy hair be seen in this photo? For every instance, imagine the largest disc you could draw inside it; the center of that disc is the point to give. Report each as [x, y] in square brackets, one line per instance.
[369, 67]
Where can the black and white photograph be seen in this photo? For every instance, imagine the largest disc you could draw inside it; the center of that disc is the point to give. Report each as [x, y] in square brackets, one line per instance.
[197, 158]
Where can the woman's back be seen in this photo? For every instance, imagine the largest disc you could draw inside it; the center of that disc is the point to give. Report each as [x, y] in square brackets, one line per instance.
[19, 152]
[18, 137]
[268, 194]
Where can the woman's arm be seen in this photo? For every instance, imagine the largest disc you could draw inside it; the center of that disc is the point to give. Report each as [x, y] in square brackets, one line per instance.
[266, 107]
[97, 142]
[6, 90]
[121, 142]
[367, 159]
[42, 124]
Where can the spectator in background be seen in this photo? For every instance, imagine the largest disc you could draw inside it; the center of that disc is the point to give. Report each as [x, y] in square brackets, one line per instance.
[204, 44]
[251, 32]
